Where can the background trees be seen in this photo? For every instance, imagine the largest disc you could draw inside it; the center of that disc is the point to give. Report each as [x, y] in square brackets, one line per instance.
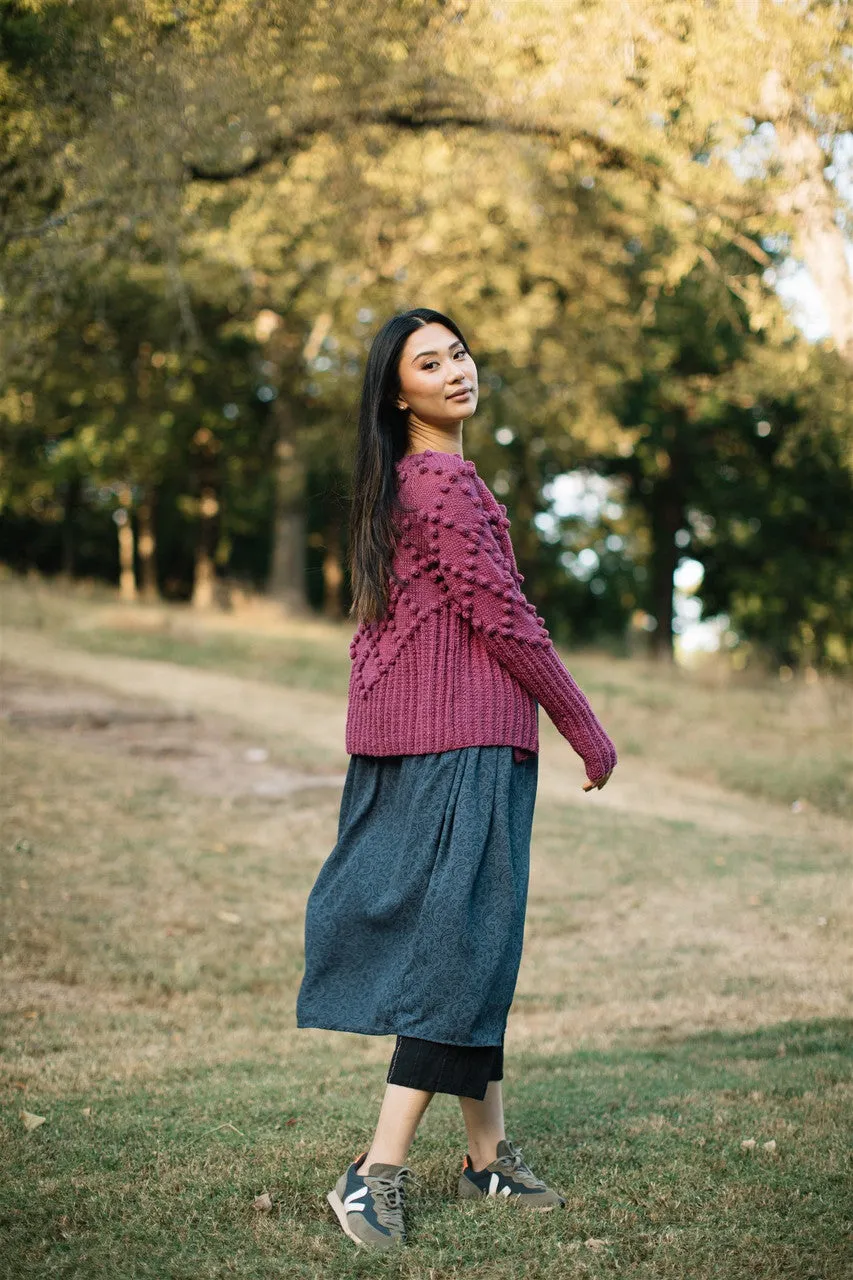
[207, 213]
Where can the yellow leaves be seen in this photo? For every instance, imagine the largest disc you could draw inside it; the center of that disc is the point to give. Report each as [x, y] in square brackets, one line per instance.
[559, 162]
[392, 50]
[487, 197]
[31, 1121]
[490, 236]
[17, 406]
[679, 264]
[121, 27]
[266, 323]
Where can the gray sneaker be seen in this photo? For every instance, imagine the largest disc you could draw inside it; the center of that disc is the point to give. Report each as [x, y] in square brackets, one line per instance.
[369, 1206]
[507, 1178]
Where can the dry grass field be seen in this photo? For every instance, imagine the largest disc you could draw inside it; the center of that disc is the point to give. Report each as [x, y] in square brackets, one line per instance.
[679, 1052]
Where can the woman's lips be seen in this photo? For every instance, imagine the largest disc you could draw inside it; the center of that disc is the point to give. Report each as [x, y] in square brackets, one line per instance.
[460, 395]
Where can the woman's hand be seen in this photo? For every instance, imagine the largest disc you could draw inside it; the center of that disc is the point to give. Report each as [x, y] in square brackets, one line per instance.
[590, 786]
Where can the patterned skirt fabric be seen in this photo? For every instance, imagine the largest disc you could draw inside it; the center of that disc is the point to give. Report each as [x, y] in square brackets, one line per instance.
[414, 925]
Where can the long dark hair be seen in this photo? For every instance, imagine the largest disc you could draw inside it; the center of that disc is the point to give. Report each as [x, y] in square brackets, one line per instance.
[383, 437]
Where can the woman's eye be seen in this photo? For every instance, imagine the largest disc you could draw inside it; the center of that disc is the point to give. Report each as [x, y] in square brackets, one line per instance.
[430, 363]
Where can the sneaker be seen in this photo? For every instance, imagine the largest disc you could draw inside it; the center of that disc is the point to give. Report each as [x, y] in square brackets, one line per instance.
[369, 1206]
[508, 1177]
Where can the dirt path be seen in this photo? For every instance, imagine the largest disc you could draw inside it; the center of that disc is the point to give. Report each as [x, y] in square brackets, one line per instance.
[312, 720]
[313, 723]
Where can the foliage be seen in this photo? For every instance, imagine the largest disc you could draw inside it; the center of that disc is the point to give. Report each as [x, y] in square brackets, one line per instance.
[600, 194]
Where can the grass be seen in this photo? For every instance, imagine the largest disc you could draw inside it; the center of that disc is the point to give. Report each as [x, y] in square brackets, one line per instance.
[647, 1145]
[786, 743]
[685, 988]
[298, 663]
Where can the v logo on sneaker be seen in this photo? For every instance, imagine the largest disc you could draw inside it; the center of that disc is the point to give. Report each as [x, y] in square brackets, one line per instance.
[507, 1177]
[495, 1183]
[350, 1200]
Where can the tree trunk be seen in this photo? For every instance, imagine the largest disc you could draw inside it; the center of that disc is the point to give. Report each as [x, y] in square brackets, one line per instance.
[809, 202]
[147, 547]
[287, 575]
[525, 538]
[666, 517]
[333, 574]
[124, 523]
[204, 578]
[70, 503]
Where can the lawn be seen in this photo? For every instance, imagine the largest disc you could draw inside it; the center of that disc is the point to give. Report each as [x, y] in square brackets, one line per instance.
[679, 1052]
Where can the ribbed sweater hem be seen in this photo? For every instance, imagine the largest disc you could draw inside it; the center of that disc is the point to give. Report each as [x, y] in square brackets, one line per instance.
[443, 742]
[465, 698]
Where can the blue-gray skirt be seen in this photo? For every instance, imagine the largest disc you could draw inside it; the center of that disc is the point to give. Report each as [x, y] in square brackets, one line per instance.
[414, 925]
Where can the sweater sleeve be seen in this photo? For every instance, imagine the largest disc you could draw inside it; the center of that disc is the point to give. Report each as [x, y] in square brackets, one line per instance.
[469, 548]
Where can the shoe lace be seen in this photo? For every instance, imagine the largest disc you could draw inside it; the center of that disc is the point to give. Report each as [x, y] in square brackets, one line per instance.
[389, 1196]
[516, 1167]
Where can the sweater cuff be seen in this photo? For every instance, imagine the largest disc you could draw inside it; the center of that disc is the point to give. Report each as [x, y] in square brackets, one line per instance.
[540, 669]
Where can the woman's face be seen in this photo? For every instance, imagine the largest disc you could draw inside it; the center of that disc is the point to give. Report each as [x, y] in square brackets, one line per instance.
[434, 367]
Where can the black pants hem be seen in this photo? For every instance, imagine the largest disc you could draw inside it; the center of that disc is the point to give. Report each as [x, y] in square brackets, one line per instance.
[445, 1068]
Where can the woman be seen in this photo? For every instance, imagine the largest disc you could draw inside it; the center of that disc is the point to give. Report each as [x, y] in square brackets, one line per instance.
[414, 925]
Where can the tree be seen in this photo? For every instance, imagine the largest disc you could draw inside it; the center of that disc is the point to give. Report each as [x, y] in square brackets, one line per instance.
[329, 166]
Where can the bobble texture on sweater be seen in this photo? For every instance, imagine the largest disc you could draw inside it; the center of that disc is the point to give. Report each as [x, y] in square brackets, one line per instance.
[461, 657]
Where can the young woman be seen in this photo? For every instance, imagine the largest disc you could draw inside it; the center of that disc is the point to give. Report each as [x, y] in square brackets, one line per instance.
[414, 925]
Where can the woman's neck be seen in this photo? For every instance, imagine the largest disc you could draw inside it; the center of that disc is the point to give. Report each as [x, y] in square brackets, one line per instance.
[422, 436]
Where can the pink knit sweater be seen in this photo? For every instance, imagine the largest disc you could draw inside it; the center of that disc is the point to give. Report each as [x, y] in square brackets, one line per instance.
[461, 657]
